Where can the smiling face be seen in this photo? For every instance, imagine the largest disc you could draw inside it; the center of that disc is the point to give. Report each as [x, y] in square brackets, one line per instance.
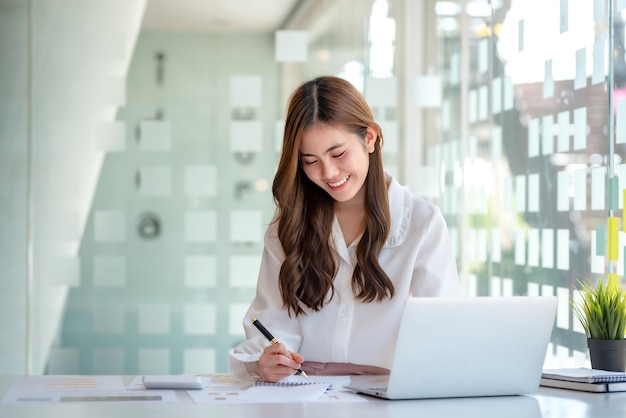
[337, 160]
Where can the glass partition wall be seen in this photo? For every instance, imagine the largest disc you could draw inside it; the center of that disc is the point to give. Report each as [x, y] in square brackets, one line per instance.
[529, 134]
[136, 165]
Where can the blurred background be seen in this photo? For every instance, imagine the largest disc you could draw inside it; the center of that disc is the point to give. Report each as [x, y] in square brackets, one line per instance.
[139, 140]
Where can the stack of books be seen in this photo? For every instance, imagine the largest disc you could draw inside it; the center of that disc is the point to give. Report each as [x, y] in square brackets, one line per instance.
[588, 380]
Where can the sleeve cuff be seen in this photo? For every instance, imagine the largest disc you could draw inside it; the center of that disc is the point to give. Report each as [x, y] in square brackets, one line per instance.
[243, 367]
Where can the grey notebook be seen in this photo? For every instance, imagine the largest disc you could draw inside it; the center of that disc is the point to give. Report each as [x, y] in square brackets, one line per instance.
[465, 347]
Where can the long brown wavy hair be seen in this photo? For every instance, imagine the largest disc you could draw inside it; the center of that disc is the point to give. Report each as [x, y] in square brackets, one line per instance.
[305, 212]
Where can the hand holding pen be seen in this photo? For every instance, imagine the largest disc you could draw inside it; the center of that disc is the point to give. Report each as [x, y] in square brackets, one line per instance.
[274, 342]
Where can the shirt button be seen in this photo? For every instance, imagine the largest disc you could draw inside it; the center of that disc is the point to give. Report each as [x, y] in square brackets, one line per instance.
[345, 311]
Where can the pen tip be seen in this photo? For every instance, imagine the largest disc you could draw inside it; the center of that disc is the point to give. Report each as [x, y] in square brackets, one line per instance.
[303, 373]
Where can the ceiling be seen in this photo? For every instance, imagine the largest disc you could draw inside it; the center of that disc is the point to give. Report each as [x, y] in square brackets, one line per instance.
[217, 15]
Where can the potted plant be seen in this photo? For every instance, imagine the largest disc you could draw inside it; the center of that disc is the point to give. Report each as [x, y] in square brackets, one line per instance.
[602, 312]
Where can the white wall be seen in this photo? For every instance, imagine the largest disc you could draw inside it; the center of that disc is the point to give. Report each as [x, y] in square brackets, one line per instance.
[80, 54]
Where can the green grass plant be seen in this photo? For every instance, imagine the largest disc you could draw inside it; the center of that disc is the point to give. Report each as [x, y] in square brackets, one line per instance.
[602, 310]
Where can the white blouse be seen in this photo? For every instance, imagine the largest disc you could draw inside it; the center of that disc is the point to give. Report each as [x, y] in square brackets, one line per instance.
[418, 258]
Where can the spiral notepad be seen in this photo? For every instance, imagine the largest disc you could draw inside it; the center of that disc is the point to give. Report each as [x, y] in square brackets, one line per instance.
[333, 382]
[584, 375]
[283, 384]
[284, 392]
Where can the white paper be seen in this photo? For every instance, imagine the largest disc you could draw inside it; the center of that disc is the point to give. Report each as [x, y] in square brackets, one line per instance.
[66, 383]
[321, 389]
[90, 397]
[284, 394]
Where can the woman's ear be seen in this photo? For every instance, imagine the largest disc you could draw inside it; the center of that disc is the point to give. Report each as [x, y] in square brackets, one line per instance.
[371, 137]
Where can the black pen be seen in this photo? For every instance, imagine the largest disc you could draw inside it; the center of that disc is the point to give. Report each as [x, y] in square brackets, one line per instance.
[272, 339]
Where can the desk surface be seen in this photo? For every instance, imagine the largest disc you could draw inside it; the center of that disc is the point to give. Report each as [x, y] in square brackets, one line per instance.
[547, 402]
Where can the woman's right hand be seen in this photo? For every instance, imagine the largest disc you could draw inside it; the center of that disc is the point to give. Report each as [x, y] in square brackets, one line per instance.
[277, 362]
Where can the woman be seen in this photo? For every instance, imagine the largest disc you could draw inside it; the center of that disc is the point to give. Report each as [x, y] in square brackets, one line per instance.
[347, 246]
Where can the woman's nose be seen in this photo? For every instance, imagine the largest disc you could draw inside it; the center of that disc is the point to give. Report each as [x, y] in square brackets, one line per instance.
[330, 170]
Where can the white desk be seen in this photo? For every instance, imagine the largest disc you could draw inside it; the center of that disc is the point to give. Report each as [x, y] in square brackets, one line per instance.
[553, 403]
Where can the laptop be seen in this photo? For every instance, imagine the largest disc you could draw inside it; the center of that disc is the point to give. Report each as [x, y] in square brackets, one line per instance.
[466, 347]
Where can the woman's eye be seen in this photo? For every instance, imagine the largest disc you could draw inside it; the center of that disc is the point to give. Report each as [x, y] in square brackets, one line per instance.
[339, 155]
[308, 162]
